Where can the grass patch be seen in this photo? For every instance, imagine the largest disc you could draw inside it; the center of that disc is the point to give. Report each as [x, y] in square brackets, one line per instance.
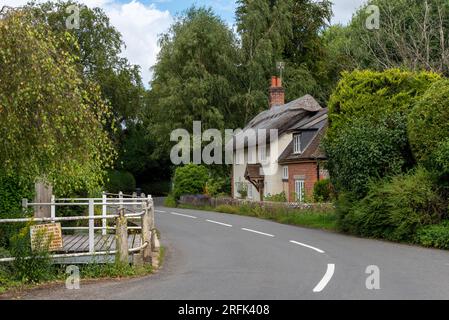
[326, 220]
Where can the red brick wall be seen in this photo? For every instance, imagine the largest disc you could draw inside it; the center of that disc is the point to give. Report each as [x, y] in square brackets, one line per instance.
[306, 169]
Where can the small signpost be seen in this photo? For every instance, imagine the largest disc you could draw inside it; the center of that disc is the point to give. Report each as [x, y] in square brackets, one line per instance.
[48, 236]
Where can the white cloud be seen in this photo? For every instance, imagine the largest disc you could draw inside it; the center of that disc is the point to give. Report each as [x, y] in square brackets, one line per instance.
[344, 9]
[138, 23]
[140, 26]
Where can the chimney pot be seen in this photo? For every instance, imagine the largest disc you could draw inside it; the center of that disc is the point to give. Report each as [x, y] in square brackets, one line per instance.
[277, 93]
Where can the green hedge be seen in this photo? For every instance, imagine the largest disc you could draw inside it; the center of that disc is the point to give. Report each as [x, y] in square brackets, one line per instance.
[395, 208]
[190, 179]
[12, 190]
[120, 181]
[322, 191]
[428, 126]
[436, 236]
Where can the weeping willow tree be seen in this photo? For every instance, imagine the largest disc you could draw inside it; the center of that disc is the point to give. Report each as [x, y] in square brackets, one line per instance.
[52, 122]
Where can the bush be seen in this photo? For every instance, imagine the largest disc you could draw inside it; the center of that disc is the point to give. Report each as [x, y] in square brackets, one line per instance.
[12, 190]
[120, 181]
[322, 191]
[30, 266]
[217, 186]
[428, 122]
[436, 236]
[190, 179]
[395, 209]
[281, 197]
[367, 134]
[366, 151]
[170, 201]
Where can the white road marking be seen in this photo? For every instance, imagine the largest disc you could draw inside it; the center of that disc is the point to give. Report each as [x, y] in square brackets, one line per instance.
[327, 277]
[262, 233]
[183, 215]
[160, 211]
[307, 246]
[220, 223]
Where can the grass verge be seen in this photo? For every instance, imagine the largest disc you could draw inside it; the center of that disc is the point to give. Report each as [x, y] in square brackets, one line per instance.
[93, 271]
[326, 220]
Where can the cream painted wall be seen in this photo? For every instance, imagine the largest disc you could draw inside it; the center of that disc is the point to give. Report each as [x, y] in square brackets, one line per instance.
[274, 184]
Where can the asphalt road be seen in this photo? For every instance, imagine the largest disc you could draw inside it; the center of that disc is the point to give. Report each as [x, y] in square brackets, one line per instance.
[219, 256]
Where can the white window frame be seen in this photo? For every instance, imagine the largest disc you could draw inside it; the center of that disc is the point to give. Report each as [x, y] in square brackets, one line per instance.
[285, 172]
[265, 189]
[300, 190]
[250, 190]
[297, 143]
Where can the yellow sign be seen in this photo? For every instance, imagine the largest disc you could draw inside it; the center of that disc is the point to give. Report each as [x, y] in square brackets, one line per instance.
[46, 236]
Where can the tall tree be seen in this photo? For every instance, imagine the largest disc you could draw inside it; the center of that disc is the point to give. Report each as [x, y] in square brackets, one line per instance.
[412, 34]
[288, 31]
[51, 121]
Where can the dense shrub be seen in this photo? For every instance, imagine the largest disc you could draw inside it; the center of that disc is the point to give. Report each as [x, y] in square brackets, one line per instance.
[436, 236]
[120, 181]
[428, 122]
[280, 197]
[395, 208]
[12, 190]
[367, 135]
[365, 151]
[30, 266]
[190, 179]
[322, 191]
[218, 186]
[170, 201]
[375, 95]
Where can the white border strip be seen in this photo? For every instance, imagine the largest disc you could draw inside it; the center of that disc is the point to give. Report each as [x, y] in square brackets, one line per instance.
[307, 246]
[160, 211]
[258, 232]
[327, 277]
[220, 223]
[183, 215]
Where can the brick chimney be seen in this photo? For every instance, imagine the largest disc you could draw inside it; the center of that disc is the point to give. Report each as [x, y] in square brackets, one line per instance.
[277, 93]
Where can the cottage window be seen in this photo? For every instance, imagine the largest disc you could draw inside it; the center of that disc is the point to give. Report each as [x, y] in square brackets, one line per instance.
[299, 190]
[297, 143]
[285, 173]
[250, 191]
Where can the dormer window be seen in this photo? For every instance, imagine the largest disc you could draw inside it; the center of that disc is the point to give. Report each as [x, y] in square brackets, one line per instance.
[297, 143]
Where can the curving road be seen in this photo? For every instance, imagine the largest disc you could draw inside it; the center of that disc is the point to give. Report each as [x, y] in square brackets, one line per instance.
[211, 255]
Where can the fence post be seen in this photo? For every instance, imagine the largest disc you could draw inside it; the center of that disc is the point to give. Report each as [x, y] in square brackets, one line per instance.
[53, 208]
[154, 247]
[146, 232]
[122, 237]
[134, 201]
[25, 205]
[104, 213]
[91, 226]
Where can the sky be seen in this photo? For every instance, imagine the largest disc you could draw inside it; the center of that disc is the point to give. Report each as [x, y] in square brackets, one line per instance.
[142, 21]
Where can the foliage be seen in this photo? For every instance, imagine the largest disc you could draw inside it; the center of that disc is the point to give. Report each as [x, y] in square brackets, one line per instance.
[288, 31]
[324, 219]
[281, 197]
[98, 46]
[411, 34]
[436, 235]
[428, 124]
[365, 151]
[367, 135]
[30, 266]
[12, 190]
[189, 179]
[242, 190]
[218, 186]
[322, 191]
[394, 209]
[170, 201]
[120, 181]
[43, 102]
[375, 95]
